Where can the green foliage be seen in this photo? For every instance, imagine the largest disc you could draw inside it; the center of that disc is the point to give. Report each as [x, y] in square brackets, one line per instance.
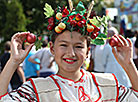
[98, 41]
[15, 18]
[48, 10]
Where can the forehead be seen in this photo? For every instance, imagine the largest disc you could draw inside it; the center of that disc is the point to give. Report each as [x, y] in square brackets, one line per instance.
[71, 37]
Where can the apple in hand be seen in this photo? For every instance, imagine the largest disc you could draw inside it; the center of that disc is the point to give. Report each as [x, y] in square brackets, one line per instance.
[31, 38]
[113, 42]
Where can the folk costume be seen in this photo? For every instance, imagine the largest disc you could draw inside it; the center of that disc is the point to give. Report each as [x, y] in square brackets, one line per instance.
[92, 87]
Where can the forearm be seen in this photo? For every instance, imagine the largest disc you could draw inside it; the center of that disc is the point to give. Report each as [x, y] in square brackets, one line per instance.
[132, 73]
[6, 76]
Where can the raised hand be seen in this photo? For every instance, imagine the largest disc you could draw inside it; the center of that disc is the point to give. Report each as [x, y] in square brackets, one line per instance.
[124, 55]
[17, 53]
[124, 51]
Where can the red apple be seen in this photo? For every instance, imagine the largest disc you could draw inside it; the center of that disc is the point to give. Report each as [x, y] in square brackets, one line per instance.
[113, 42]
[31, 38]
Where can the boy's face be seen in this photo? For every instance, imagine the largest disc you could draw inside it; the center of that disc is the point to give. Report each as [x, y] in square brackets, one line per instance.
[69, 51]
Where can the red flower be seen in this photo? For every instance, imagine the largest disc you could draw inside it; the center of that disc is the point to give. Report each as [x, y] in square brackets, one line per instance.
[65, 12]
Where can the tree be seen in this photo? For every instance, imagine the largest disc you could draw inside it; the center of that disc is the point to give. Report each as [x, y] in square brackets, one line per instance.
[13, 19]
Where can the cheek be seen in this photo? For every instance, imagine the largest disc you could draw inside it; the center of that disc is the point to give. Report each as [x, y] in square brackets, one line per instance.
[82, 53]
[59, 52]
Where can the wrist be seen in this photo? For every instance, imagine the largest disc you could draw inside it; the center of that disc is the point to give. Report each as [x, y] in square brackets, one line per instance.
[13, 63]
[129, 65]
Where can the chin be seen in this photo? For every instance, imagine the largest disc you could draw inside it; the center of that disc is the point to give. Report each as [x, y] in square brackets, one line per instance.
[71, 69]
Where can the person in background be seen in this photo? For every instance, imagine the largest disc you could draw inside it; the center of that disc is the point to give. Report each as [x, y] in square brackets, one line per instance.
[97, 54]
[18, 77]
[4, 58]
[31, 70]
[136, 49]
[46, 60]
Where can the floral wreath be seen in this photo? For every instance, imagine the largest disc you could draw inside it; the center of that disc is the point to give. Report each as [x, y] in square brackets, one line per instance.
[79, 19]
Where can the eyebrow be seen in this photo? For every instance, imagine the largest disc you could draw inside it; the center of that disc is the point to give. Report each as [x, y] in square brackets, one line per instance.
[68, 42]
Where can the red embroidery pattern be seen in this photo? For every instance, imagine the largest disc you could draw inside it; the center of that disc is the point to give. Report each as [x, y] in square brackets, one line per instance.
[82, 95]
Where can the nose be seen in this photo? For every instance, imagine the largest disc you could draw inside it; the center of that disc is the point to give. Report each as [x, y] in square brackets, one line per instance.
[70, 51]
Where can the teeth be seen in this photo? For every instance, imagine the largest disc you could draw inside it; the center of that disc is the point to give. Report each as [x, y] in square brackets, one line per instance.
[69, 60]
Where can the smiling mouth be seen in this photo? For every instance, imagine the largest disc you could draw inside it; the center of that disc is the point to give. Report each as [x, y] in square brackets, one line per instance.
[69, 61]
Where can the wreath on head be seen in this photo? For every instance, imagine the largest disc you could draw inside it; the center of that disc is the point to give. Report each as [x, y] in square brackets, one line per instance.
[78, 19]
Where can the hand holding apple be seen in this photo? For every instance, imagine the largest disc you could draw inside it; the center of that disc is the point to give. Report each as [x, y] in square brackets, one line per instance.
[113, 42]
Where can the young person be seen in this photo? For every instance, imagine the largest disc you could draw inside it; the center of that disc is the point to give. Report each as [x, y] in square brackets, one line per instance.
[71, 84]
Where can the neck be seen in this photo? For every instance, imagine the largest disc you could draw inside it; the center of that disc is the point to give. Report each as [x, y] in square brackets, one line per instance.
[71, 75]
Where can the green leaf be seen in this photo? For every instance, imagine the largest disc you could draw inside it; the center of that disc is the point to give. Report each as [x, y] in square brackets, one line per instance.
[48, 10]
[80, 7]
[98, 41]
[38, 44]
[102, 36]
[95, 22]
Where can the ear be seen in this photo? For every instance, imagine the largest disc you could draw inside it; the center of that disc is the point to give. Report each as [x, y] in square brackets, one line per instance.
[88, 52]
[51, 47]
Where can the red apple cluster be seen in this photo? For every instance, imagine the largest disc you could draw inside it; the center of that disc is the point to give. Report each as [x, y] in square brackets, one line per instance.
[93, 30]
[78, 20]
[51, 23]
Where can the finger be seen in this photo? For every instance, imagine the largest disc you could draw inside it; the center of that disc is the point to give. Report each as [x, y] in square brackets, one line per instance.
[124, 40]
[17, 41]
[129, 42]
[119, 40]
[21, 35]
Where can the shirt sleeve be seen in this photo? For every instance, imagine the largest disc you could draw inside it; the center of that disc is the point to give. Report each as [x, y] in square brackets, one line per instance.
[25, 93]
[127, 94]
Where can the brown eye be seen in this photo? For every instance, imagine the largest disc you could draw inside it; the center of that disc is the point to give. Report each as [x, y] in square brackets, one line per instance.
[64, 45]
[79, 47]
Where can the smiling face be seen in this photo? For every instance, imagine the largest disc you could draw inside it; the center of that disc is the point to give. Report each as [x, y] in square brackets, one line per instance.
[69, 51]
